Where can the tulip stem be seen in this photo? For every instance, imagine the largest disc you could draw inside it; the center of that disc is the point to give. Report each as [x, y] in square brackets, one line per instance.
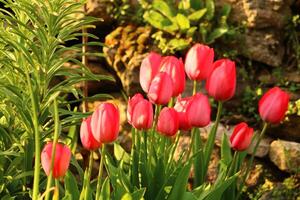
[195, 87]
[88, 176]
[251, 159]
[232, 164]
[35, 120]
[55, 139]
[56, 191]
[157, 111]
[98, 191]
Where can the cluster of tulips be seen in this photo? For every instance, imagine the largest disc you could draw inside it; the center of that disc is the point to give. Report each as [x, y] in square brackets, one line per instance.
[163, 80]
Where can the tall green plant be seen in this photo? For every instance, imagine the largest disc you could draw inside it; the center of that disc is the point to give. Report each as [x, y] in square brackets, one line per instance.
[33, 51]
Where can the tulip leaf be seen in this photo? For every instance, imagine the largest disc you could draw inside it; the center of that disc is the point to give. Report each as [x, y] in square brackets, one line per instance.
[138, 194]
[179, 187]
[196, 16]
[120, 154]
[189, 196]
[105, 190]
[198, 160]
[71, 189]
[226, 156]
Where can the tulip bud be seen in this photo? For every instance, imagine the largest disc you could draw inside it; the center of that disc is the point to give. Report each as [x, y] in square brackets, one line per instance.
[131, 104]
[174, 68]
[222, 81]
[198, 110]
[161, 88]
[181, 107]
[61, 160]
[199, 62]
[105, 123]
[168, 122]
[149, 68]
[273, 105]
[241, 137]
[142, 117]
[87, 139]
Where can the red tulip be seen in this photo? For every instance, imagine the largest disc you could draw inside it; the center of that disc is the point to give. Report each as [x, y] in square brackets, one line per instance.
[174, 67]
[181, 107]
[61, 160]
[87, 139]
[198, 110]
[241, 137]
[142, 117]
[222, 81]
[161, 88]
[131, 104]
[105, 123]
[199, 62]
[149, 68]
[168, 122]
[273, 105]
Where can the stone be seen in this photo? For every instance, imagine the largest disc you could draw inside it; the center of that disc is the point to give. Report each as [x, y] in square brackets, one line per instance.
[100, 9]
[285, 155]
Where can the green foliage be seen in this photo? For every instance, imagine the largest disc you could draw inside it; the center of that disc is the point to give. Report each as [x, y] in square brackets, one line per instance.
[33, 37]
[178, 25]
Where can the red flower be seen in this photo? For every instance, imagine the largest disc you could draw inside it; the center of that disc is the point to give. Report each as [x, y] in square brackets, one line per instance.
[222, 81]
[142, 117]
[174, 68]
[199, 62]
[181, 107]
[105, 123]
[61, 160]
[161, 88]
[87, 139]
[198, 110]
[131, 104]
[149, 68]
[241, 137]
[273, 105]
[168, 122]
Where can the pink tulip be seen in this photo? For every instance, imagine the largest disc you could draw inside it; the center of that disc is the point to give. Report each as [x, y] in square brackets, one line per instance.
[199, 62]
[198, 111]
[61, 160]
[142, 117]
[161, 88]
[181, 107]
[175, 69]
[222, 81]
[87, 139]
[241, 137]
[131, 104]
[105, 123]
[168, 122]
[273, 105]
[149, 68]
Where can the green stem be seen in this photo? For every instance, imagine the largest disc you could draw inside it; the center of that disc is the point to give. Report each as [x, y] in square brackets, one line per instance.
[194, 87]
[251, 159]
[87, 179]
[232, 165]
[211, 138]
[55, 139]
[152, 139]
[193, 130]
[56, 196]
[36, 180]
[98, 191]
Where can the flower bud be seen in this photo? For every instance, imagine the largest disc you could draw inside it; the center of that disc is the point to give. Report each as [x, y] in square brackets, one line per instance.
[87, 139]
[181, 107]
[131, 104]
[161, 89]
[168, 122]
[241, 137]
[142, 117]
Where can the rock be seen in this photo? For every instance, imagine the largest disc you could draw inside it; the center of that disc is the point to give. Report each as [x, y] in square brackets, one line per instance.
[125, 49]
[100, 9]
[263, 147]
[285, 155]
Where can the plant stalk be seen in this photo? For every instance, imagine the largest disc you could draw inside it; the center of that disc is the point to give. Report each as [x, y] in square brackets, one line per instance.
[89, 172]
[98, 191]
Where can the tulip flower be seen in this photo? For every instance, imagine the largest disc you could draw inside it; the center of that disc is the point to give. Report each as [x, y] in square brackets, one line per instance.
[105, 123]
[222, 81]
[61, 160]
[149, 68]
[131, 104]
[241, 137]
[199, 62]
[168, 122]
[161, 89]
[175, 69]
[142, 116]
[181, 107]
[198, 110]
[87, 139]
[273, 105]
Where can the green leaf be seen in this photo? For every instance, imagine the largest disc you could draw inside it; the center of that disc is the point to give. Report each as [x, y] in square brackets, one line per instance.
[196, 4]
[164, 8]
[71, 188]
[179, 187]
[226, 156]
[196, 16]
[127, 196]
[138, 194]
[183, 22]
[178, 44]
[189, 196]
[120, 154]
[210, 6]
[105, 190]
[217, 33]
